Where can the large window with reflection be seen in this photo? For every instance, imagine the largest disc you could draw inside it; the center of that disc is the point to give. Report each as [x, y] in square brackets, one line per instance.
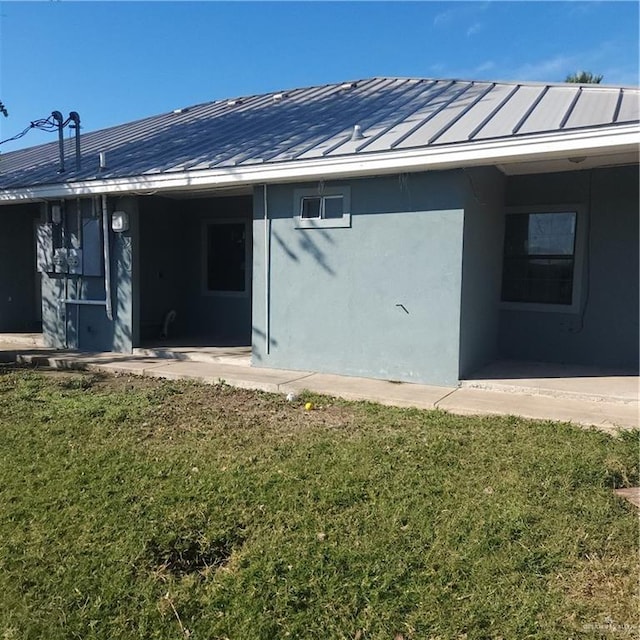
[539, 263]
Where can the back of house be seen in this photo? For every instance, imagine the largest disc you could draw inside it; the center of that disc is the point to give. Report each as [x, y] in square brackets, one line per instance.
[394, 228]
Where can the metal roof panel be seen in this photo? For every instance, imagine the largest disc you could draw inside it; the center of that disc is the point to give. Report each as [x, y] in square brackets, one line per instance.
[550, 111]
[593, 108]
[629, 107]
[381, 122]
[437, 98]
[316, 122]
[431, 130]
[462, 129]
[504, 121]
[370, 122]
[338, 119]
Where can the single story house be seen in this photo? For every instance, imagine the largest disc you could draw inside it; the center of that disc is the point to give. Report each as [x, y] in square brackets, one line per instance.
[396, 228]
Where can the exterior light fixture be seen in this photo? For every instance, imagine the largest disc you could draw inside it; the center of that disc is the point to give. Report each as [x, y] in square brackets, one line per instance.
[120, 221]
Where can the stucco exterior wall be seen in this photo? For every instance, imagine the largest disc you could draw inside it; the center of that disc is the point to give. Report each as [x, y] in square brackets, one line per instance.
[390, 296]
[605, 330]
[87, 327]
[481, 267]
[379, 299]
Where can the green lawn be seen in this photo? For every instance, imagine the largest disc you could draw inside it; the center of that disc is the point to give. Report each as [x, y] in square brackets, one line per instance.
[135, 508]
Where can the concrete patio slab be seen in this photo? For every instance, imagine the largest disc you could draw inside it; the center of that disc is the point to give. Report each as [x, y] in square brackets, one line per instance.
[381, 391]
[562, 399]
[72, 360]
[142, 366]
[557, 380]
[24, 339]
[226, 355]
[605, 415]
[270, 380]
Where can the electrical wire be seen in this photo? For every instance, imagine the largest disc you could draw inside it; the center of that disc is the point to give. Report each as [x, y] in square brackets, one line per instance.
[43, 124]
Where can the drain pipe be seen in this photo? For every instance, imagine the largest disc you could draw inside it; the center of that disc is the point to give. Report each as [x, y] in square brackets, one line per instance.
[75, 118]
[63, 239]
[107, 258]
[267, 275]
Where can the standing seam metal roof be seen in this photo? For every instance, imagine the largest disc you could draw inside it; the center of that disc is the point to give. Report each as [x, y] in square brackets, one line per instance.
[318, 122]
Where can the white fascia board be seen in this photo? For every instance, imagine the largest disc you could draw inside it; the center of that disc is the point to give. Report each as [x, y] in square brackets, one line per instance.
[600, 141]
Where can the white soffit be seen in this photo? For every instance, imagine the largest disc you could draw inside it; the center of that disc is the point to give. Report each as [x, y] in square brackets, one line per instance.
[574, 163]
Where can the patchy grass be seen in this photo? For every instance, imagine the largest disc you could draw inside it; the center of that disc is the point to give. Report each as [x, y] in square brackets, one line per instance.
[136, 508]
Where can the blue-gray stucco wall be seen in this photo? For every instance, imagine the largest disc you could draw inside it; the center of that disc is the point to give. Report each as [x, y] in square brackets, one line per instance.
[172, 257]
[87, 328]
[379, 299]
[389, 297]
[19, 300]
[481, 268]
[605, 330]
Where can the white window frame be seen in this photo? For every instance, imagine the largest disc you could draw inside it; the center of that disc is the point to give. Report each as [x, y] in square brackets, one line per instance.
[578, 260]
[206, 224]
[322, 223]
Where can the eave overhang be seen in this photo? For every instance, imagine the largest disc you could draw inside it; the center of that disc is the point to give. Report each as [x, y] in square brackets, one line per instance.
[602, 141]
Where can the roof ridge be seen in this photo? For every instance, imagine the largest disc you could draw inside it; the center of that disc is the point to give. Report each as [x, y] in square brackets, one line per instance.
[533, 83]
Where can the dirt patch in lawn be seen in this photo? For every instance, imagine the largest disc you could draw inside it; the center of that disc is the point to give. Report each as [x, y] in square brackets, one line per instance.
[183, 405]
[632, 494]
[606, 584]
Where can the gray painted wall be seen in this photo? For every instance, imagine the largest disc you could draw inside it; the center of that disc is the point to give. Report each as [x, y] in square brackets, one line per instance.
[337, 296]
[482, 268]
[18, 297]
[125, 248]
[334, 293]
[87, 327]
[606, 331]
[172, 255]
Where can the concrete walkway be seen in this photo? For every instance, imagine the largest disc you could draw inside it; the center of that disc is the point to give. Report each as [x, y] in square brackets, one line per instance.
[606, 402]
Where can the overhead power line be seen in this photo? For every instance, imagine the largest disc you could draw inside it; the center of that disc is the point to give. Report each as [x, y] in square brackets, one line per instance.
[44, 124]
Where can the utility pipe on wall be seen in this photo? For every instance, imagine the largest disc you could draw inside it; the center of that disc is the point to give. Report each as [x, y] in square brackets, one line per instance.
[78, 287]
[75, 118]
[63, 238]
[57, 116]
[267, 275]
[107, 258]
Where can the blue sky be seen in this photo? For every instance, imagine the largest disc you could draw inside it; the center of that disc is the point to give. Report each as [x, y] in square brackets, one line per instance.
[118, 61]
